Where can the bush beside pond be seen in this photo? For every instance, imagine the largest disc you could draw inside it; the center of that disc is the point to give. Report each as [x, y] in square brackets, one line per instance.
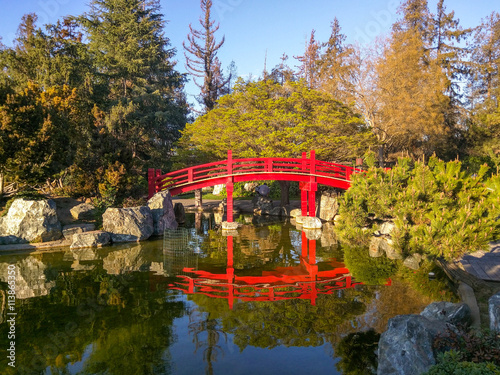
[437, 208]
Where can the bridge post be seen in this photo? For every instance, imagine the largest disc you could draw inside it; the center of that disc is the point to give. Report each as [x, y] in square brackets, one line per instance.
[302, 186]
[313, 186]
[229, 191]
[152, 174]
[151, 182]
[229, 187]
[303, 201]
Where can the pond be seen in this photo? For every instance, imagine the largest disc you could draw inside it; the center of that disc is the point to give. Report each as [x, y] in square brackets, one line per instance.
[266, 300]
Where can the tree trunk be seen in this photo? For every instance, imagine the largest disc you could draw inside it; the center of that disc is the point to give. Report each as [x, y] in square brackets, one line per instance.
[381, 156]
[1, 184]
[285, 193]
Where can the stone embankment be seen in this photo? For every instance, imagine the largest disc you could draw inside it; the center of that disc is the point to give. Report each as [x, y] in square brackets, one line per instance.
[35, 224]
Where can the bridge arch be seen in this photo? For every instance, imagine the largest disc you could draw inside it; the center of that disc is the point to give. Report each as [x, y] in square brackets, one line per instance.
[309, 172]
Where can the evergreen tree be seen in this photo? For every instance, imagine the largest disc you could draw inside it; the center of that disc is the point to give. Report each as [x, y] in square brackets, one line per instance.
[308, 70]
[201, 58]
[144, 107]
[335, 65]
[485, 90]
[412, 86]
[267, 119]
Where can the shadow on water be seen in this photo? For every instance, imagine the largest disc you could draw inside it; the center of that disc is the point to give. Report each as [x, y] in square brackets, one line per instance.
[266, 301]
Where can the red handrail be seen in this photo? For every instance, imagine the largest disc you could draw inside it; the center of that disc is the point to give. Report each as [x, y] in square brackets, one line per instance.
[273, 167]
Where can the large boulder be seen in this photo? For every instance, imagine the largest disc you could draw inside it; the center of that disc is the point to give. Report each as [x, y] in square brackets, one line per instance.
[84, 211]
[328, 206]
[128, 224]
[163, 212]
[296, 212]
[406, 347]
[494, 312]
[97, 238]
[454, 313]
[30, 221]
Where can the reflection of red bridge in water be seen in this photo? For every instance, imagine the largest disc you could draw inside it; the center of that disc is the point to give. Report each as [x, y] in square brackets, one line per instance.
[304, 281]
[309, 172]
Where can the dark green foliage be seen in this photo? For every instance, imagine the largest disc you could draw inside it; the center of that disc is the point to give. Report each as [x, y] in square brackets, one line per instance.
[449, 364]
[471, 346]
[368, 270]
[90, 95]
[437, 208]
[358, 353]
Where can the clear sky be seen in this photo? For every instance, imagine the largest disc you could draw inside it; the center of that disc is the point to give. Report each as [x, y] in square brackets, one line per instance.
[252, 27]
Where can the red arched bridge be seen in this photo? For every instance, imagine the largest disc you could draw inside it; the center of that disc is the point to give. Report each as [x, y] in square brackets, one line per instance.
[309, 172]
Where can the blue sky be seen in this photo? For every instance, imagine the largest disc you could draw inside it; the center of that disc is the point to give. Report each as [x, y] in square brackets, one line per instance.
[252, 27]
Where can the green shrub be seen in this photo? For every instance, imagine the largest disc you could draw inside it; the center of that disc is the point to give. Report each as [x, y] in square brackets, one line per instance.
[437, 208]
[449, 363]
[470, 346]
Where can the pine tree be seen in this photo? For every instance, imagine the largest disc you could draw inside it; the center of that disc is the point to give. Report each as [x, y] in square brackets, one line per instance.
[308, 70]
[485, 90]
[201, 57]
[335, 65]
[144, 107]
[412, 86]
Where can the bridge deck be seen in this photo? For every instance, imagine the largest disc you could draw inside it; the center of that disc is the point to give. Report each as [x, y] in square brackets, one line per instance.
[484, 265]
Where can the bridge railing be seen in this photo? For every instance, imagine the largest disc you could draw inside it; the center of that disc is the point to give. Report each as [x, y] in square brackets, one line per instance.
[230, 167]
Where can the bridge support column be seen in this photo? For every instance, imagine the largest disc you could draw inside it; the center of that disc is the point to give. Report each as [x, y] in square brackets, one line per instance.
[312, 203]
[303, 201]
[229, 191]
[152, 174]
[308, 198]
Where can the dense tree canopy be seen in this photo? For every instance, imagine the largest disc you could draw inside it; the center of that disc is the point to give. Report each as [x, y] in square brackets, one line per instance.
[265, 118]
[430, 86]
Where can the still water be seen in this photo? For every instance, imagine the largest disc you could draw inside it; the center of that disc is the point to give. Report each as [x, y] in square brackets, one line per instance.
[266, 300]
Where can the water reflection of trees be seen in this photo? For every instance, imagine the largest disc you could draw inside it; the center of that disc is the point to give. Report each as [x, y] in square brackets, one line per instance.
[290, 322]
[127, 327]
